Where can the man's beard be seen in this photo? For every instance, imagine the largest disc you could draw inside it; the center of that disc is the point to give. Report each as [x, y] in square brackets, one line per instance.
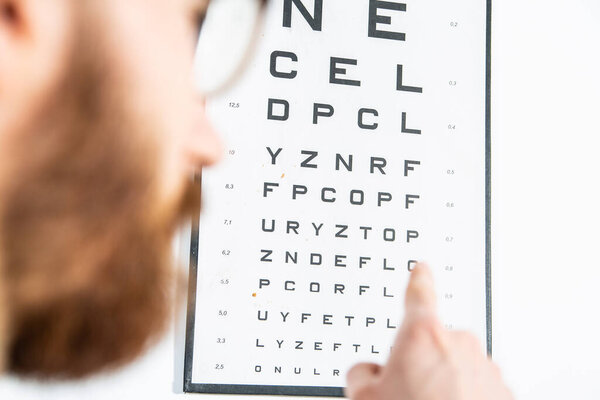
[84, 246]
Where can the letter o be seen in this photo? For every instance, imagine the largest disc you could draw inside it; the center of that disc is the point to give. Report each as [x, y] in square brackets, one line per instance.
[391, 237]
[361, 196]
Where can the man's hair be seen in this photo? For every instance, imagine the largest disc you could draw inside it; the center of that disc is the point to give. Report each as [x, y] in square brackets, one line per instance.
[84, 246]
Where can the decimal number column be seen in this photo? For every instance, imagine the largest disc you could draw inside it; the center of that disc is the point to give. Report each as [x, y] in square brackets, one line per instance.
[218, 279]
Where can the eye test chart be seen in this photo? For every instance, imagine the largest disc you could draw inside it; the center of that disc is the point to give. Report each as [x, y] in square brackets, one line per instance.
[357, 142]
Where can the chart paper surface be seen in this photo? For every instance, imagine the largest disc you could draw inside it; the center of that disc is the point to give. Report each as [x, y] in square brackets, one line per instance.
[356, 143]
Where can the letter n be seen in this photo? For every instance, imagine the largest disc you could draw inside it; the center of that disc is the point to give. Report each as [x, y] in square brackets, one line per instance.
[315, 21]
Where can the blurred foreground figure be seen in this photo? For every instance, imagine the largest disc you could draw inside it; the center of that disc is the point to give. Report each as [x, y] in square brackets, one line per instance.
[100, 130]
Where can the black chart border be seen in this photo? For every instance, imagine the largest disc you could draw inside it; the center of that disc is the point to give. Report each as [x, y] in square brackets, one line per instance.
[327, 391]
[488, 175]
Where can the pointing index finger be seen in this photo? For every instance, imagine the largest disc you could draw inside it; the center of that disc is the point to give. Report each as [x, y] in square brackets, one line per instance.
[420, 298]
[421, 333]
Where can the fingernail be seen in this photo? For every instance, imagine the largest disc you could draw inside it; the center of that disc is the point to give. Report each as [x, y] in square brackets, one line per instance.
[420, 265]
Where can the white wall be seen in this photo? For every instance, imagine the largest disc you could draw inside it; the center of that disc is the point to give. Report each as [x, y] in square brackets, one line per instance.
[546, 220]
[547, 196]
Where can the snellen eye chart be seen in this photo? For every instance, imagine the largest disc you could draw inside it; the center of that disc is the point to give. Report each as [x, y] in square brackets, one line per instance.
[357, 143]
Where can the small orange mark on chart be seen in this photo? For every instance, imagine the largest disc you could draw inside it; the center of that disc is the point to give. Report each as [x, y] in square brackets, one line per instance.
[253, 294]
[282, 175]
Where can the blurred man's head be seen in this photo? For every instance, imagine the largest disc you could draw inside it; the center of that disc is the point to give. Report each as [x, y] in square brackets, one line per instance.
[99, 131]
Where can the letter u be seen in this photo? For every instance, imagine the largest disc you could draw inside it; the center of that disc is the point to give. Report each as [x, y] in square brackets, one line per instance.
[263, 318]
[264, 227]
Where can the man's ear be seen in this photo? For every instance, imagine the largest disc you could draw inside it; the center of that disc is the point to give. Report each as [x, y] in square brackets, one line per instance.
[34, 40]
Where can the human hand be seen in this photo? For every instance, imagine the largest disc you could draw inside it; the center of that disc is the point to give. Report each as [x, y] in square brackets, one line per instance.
[428, 362]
